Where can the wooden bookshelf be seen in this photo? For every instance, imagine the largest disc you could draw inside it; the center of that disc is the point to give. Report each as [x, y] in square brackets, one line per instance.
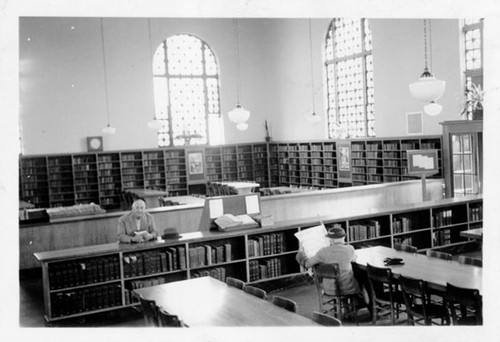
[68, 179]
[86, 280]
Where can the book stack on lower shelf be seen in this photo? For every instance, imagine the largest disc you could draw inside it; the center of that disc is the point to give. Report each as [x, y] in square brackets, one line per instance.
[265, 269]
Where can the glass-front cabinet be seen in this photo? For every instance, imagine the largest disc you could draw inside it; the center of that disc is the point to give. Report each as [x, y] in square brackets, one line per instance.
[463, 157]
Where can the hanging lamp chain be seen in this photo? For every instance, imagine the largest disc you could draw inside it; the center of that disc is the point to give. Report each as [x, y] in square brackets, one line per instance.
[312, 73]
[105, 74]
[237, 53]
[425, 44]
[151, 56]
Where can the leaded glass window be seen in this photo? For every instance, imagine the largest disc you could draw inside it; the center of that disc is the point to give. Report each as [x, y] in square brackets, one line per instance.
[349, 71]
[186, 88]
[473, 39]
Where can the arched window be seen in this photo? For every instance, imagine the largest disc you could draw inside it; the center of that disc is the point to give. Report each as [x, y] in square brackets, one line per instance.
[186, 90]
[349, 71]
[473, 38]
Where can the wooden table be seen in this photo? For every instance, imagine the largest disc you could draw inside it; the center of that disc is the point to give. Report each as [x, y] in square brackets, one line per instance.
[242, 187]
[435, 271]
[473, 233]
[208, 302]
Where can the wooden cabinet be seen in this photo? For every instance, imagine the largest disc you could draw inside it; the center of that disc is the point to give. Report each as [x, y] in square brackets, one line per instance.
[86, 280]
[34, 181]
[463, 157]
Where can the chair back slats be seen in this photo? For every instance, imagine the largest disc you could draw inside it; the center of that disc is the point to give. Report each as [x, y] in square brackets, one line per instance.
[405, 248]
[466, 299]
[285, 303]
[240, 284]
[167, 320]
[463, 259]
[326, 320]
[255, 291]
[440, 255]
[149, 312]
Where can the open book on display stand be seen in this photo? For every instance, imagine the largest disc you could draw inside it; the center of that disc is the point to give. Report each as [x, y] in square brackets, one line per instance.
[230, 221]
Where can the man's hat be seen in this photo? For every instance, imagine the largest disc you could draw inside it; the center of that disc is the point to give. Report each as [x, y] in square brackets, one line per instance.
[170, 233]
[335, 233]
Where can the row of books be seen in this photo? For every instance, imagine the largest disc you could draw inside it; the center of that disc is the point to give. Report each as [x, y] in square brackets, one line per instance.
[441, 237]
[83, 300]
[476, 213]
[217, 273]
[263, 269]
[369, 230]
[153, 262]
[207, 255]
[442, 218]
[401, 225]
[268, 244]
[83, 272]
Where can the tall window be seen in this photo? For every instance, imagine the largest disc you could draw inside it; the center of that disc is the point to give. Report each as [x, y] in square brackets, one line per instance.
[473, 35]
[186, 89]
[349, 70]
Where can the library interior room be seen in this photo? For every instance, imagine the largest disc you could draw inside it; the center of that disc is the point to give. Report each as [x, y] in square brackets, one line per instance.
[218, 172]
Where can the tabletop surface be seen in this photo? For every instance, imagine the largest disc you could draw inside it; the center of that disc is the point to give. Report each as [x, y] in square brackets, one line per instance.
[435, 271]
[473, 233]
[208, 302]
[238, 185]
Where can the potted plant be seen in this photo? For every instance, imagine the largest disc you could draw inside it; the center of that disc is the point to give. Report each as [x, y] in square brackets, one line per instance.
[474, 96]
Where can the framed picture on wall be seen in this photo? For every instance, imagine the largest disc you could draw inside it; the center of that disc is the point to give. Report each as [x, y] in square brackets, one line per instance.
[414, 123]
[344, 160]
[196, 168]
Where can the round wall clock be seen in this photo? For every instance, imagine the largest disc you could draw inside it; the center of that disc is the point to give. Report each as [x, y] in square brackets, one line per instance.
[94, 144]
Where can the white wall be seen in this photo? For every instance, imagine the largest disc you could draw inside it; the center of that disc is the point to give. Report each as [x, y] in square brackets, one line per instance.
[63, 95]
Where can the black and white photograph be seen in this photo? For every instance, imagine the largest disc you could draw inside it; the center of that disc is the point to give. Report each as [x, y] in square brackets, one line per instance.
[123, 120]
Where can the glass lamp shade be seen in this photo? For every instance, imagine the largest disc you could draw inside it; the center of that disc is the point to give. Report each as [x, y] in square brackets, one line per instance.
[242, 126]
[314, 118]
[154, 124]
[239, 114]
[108, 130]
[433, 108]
[427, 88]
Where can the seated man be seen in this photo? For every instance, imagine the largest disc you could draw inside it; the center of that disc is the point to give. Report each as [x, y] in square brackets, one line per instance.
[337, 253]
[137, 225]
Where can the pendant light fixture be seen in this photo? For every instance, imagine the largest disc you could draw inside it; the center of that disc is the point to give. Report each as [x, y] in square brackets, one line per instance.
[238, 115]
[154, 124]
[108, 130]
[313, 118]
[428, 88]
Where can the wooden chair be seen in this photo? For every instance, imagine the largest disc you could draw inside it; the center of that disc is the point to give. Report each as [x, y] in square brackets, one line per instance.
[285, 303]
[419, 308]
[167, 320]
[149, 312]
[385, 297]
[465, 305]
[436, 254]
[463, 259]
[326, 320]
[255, 291]
[339, 304]
[405, 248]
[240, 284]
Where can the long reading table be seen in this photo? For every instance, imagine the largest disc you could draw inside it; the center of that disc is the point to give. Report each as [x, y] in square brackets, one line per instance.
[435, 271]
[208, 302]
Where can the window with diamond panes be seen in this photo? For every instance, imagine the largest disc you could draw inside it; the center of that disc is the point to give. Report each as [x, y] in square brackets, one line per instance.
[186, 89]
[349, 70]
[473, 38]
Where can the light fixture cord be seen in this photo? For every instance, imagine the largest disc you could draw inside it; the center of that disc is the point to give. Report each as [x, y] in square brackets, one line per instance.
[425, 44]
[237, 53]
[312, 73]
[430, 45]
[105, 74]
[151, 56]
